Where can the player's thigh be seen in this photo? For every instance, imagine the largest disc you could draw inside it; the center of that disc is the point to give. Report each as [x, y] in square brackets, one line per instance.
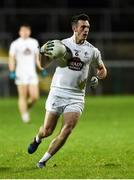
[50, 120]
[70, 119]
[72, 114]
[22, 91]
[33, 91]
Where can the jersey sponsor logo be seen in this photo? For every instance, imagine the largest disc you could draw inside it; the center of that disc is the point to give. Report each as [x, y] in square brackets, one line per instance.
[27, 51]
[75, 64]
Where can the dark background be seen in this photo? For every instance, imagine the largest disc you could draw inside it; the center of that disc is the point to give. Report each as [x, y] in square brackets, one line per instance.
[112, 27]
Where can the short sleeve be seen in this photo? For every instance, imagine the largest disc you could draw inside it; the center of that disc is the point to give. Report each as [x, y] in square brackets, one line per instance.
[12, 49]
[97, 59]
[36, 47]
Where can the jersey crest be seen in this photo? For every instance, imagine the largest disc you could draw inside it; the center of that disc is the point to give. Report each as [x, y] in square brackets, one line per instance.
[27, 51]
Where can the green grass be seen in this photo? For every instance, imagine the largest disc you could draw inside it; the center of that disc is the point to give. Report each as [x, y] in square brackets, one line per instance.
[101, 146]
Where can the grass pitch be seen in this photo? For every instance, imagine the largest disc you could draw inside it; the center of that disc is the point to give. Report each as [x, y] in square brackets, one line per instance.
[101, 145]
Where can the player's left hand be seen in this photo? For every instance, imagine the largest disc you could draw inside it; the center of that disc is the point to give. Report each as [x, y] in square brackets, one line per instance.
[94, 82]
[44, 73]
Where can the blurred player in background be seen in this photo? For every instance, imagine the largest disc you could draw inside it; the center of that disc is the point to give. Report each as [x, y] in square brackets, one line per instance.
[23, 57]
[68, 87]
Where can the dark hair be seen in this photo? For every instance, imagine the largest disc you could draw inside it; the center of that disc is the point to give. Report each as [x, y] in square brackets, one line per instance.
[25, 25]
[76, 18]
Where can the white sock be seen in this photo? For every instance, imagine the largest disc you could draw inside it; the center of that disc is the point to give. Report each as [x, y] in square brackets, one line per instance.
[25, 117]
[45, 157]
[38, 139]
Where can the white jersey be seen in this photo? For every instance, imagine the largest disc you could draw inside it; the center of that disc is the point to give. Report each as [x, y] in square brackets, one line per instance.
[72, 78]
[24, 51]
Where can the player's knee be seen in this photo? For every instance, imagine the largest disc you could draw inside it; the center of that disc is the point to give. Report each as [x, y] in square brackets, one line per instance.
[35, 98]
[67, 130]
[47, 131]
[22, 98]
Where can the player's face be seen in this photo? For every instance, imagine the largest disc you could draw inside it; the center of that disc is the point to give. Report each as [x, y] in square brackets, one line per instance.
[24, 32]
[81, 30]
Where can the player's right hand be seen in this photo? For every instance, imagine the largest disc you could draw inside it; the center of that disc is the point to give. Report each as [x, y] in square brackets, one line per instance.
[12, 75]
[47, 49]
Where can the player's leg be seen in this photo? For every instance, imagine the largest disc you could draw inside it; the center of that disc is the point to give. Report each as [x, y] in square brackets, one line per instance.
[49, 125]
[70, 119]
[46, 130]
[33, 91]
[22, 101]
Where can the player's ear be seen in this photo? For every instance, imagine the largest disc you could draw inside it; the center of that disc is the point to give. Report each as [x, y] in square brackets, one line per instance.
[19, 32]
[73, 27]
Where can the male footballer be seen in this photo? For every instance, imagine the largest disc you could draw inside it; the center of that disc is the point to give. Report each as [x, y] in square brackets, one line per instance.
[23, 57]
[67, 91]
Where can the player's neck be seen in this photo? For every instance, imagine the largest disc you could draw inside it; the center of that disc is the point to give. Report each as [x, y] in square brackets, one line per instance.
[24, 38]
[77, 40]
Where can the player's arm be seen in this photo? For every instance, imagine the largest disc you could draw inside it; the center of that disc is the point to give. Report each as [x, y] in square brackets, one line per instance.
[45, 61]
[101, 71]
[38, 61]
[12, 57]
[40, 65]
[37, 56]
[12, 66]
[11, 62]
[98, 69]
